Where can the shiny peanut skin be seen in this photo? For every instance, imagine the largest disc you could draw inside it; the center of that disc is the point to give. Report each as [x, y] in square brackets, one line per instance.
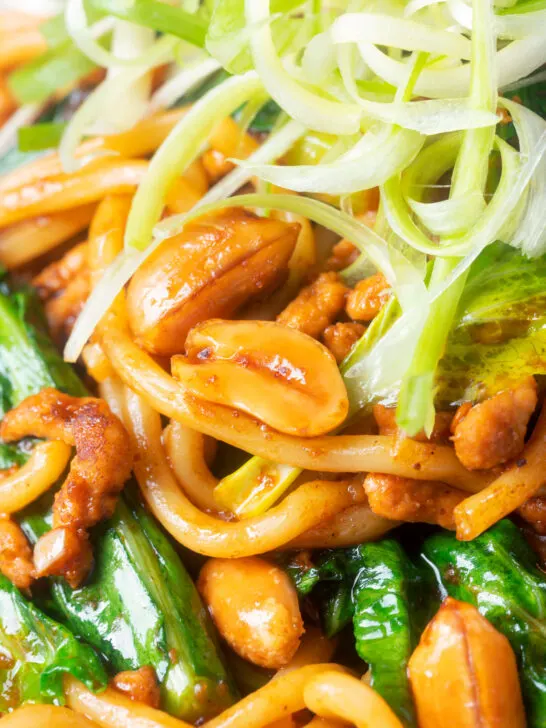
[255, 608]
[282, 377]
[209, 270]
[463, 673]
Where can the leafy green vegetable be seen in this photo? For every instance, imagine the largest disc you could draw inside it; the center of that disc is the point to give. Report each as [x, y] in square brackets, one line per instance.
[496, 572]
[37, 137]
[157, 15]
[500, 332]
[378, 587]
[35, 653]
[141, 608]
[385, 634]
[57, 68]
[28, 360]
[228, 36]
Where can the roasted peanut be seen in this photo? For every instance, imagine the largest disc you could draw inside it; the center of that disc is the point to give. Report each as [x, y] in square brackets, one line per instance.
[463, 673]
[210, 269]
[255, 608]
[280, 376]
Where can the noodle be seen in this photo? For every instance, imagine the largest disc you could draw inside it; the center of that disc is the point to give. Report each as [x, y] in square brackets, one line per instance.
[509, 491]
[356, 524]
[112, 709]
[26, 240]
[20, 47]
[334, 695]
[281, 697]
[185, 450]
[46, 716]
[68, 191]
[43, 469]
[301, 510]
[342, 453]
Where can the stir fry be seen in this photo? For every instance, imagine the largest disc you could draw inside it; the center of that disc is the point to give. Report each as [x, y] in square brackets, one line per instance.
[272, 363]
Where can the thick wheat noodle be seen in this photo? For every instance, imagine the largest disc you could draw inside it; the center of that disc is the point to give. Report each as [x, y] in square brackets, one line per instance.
[317, 722]
[67, 191]
[140, 141]
[46, 716]
[29, 239]
[45, 466]
[333, 695]
[354, 525]
[314, 648]
[20, 47]
[280, 698]
[343, 453]
[185, 450]
[304, 508]
[509, 491]
[112, 709]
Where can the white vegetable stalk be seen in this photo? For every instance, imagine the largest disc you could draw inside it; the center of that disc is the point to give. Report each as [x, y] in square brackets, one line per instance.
[130, 42]
[107, 95]
[310, 109]
[182, 83]
[517, 60]
[398, 33]
[517, 25]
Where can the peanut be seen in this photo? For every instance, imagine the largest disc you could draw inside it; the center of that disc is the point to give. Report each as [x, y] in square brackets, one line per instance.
[208, 270]
[282, 377]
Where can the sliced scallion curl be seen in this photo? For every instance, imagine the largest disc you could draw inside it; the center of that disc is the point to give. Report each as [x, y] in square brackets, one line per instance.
[393, 32]
[516, 60]
[182, 83]
[179, 150]
[78, 29]
[415, 410]
[449, 217]
[511, 26]
[381, 153]
[530, 232]
[108, 92]
[309, 108]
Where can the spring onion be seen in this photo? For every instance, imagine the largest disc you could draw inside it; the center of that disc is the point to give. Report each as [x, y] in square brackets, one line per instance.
[37, 137]
[158, 16]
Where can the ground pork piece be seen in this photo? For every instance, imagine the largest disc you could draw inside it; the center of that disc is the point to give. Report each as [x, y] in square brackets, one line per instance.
[341, 337]
[140, 685]
[15, 554]
[343, 254]
[63, 310]
[55, 277]
[367, 298]
[316, 306]
[533, 512]
[493, 432]
[97, 474]
[416, 501]
[385, 418]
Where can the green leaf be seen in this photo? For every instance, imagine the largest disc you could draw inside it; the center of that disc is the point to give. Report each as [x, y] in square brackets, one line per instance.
[160, 16]
[140, 607]
[500, 331]
[56, 69]
[37, 652]
[38, 137]
[496, 573]
[227, 39]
